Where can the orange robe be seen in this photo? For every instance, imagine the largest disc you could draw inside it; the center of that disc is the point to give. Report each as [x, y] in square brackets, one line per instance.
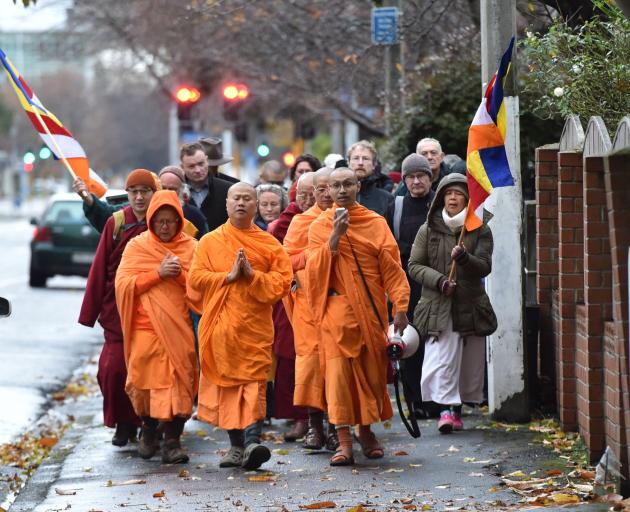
[353, 339]
[309, 382]
[159, 341]
[236, 328]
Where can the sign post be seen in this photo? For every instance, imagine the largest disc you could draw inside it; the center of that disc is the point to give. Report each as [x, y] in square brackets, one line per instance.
[385, 32]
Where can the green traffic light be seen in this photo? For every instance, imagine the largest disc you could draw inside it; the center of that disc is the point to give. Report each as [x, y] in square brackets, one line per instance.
[29, 157]
[45, 153]
[263, 150]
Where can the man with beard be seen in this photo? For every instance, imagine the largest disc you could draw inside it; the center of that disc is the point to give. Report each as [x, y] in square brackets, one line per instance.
[362, 160]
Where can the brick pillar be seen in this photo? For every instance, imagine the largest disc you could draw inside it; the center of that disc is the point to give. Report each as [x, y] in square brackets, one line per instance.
[596, 310]
[546, 256]
[617, 182]
[570, 280]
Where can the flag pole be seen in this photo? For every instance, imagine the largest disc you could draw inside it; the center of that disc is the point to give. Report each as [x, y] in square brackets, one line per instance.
[54, 142]
[451, 274]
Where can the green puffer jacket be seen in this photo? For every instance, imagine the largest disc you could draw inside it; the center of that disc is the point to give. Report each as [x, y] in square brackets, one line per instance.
[430, 263]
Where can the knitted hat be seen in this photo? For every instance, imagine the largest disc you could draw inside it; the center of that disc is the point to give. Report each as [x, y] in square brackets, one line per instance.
[173, 169]
[458, 186]
[140, 177]
[415, 163]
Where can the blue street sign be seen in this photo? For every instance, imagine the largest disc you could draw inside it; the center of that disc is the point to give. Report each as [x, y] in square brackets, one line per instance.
[385, 25]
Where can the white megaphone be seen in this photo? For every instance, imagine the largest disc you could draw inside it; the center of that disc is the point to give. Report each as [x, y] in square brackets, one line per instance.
[402, 346]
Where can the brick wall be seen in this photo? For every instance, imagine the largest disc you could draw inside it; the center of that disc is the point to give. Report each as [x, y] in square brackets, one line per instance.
[547, 258]
[570, 280]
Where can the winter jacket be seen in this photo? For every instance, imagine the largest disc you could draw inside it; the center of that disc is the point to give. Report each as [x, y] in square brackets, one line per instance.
[374, 198]
[430, 263]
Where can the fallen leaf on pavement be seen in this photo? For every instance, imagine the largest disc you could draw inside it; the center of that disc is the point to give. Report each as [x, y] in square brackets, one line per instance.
[554, 472]
[159, 494]
[319, 504]
[281, 451]
[400, 453]
[453, 448]
[587, 475]
[415, 465]
[111, 483]
[493, 488]
[563, 498]
[410, 507]
[517, 474]
[358, 508]
[443, 486]
[66, 492]
[475, 474]
[393, 470]
[469, 459]
[262, 478]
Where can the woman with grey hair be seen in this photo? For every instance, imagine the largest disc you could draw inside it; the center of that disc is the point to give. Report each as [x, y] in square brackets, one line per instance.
[272, 200]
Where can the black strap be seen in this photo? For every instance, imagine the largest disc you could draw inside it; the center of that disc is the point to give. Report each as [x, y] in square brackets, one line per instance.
[411, 424]
[367, 288]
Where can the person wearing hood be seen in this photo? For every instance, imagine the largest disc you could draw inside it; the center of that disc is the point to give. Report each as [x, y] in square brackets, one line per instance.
[99, 303]
[362, 160]
[454, 313]
[159, 343]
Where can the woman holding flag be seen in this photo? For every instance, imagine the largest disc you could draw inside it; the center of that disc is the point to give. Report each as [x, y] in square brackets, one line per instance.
[454, 313]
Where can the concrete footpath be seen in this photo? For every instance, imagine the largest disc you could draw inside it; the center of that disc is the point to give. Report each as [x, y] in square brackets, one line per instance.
[84, 472]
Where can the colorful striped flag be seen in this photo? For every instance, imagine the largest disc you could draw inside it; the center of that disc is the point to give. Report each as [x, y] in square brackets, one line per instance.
[60, 141]
[486, 159]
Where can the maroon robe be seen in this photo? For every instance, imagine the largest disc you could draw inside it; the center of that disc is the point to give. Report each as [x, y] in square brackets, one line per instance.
[99, 303]
[283, 344]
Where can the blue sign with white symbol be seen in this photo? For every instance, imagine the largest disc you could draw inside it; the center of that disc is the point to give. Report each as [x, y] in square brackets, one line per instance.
[385, 25]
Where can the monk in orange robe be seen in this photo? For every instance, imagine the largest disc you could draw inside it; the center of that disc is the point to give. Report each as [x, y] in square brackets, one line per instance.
[353, 265]
[309, 382]
[241, 271]
[159, 343]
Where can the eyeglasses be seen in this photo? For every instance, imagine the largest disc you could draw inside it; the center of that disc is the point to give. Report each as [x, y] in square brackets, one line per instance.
[415, 177]
[359, 158]
[164, 222]
[139, 191]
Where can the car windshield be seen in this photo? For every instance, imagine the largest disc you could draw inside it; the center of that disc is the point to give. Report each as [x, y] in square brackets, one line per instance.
[65, 212]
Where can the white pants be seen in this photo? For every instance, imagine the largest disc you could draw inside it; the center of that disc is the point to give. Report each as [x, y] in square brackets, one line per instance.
[453, 368]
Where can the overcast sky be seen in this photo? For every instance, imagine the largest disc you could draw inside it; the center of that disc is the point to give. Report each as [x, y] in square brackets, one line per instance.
[44, 15]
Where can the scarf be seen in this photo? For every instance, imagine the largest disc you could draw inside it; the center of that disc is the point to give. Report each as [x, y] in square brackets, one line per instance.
[455, 222]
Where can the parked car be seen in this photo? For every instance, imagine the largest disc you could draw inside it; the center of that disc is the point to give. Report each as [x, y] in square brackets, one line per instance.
[63, 242]
[5, 307]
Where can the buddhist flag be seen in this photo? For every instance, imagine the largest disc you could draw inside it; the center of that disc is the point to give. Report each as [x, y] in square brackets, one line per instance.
[60, 141]
[486, 160]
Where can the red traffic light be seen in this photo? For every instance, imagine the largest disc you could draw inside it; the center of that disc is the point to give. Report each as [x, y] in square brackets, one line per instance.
[28, 167]
[234, 92]
[186, 94]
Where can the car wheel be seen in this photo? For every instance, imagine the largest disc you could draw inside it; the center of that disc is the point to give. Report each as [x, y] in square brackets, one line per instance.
[37, 279]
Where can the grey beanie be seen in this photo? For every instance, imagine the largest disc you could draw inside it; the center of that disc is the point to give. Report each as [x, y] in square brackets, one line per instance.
[415, 163]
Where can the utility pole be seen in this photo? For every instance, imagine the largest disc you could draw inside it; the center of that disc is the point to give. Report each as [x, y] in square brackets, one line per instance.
[507, 395]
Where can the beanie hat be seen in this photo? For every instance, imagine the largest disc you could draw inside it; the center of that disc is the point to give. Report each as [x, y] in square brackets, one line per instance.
[415, 163]
[173, 169]
[458, 186]
[140, 177]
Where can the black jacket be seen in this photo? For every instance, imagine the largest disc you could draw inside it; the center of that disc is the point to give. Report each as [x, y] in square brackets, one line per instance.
[213, 206]
[374, 198]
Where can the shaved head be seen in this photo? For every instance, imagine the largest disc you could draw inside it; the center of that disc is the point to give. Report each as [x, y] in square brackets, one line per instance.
[344, 186]
[323, 172]
[241, 186]
[304, 196]
[241, 205]
[321, 189]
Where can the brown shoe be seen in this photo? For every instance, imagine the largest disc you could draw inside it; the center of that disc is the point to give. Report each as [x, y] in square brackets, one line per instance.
[173, 453]
[299, 430]
[125, 432]
[314, 439]
[343, 456]
[370, 446]
[332, 440]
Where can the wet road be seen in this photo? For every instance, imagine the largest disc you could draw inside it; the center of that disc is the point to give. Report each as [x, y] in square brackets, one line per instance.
[41, 342]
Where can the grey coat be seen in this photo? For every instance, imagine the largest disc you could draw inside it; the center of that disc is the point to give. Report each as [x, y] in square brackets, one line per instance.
[430, 263]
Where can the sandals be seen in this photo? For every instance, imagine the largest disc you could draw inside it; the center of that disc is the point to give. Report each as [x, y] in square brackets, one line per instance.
[341, 459]
[370, 446]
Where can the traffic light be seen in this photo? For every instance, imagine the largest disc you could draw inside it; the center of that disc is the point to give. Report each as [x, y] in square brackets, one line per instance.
[234, 96]
[263, 150]
[288, 159]
[186, 97]
[29, 157]
[44, 152]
